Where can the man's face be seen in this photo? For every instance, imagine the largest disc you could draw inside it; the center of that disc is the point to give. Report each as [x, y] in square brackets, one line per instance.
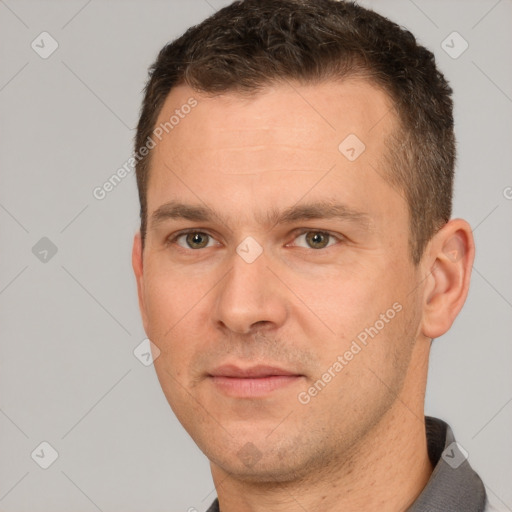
[247, 326]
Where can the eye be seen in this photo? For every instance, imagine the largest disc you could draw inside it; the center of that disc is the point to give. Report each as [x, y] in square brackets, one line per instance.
[200, 240]
[317, 239]
[193, 239]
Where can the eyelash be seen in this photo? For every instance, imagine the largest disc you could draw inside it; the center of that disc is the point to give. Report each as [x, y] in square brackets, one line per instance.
[172, 240]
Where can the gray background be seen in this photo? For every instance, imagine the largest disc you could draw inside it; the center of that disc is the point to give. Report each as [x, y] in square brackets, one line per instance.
[69, 325]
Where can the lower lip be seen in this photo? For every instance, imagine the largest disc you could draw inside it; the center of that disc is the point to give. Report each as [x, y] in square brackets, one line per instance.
[253, 387]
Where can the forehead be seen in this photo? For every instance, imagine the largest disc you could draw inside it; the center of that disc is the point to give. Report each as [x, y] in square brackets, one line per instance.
[275, 144]
[296, 117]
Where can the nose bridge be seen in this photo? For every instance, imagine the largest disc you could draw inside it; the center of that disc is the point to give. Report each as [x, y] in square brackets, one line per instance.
[249, 294]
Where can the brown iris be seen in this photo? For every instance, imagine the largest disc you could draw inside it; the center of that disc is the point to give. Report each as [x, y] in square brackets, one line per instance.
[197, 240]
[317, 239]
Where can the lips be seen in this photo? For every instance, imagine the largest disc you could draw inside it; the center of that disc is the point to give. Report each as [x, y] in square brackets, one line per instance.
[254, 372]
[251, 382]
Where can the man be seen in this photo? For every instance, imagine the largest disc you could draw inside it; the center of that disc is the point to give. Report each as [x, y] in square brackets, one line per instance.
[296, 256]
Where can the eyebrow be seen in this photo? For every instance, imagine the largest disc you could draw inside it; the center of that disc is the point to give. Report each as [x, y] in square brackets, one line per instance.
[325, 209]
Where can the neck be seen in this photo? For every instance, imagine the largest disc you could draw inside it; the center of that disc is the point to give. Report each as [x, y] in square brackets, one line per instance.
[388, 469]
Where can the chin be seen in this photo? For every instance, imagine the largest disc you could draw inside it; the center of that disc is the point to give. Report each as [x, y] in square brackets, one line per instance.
[251, 465]
[259, 473]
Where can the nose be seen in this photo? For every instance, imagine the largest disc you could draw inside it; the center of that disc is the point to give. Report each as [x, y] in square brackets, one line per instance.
[250, 297]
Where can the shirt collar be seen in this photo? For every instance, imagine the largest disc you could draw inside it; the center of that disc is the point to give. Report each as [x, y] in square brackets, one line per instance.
[453, 485]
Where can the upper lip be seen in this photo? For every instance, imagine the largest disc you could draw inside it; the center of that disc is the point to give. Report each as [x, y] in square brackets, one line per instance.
[258, 371]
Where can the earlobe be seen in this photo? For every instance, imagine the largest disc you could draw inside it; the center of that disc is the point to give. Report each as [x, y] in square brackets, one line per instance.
[451, 254]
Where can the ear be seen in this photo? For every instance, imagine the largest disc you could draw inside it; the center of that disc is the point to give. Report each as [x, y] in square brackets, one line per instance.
[449, 260]
[137, 264]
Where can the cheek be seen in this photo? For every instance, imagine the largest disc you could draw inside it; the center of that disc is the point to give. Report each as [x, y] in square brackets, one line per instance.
[351, 300]
[167, 299]
[375, 322]
[170, 321]
[368, 374]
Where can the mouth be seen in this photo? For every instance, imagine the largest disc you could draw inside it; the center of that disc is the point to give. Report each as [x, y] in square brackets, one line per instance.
[252, 382]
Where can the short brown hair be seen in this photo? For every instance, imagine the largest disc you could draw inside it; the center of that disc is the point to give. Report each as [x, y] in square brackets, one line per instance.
[251, 44]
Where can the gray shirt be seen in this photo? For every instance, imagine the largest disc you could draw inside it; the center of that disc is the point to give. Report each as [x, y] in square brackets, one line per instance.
[453, 485]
